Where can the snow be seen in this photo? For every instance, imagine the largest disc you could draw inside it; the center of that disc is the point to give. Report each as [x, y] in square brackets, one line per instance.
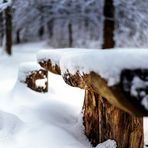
[53, 55]
[41, 83]
[137, 83]
[107, 144]
[32, 120]
[3, 6]
[103, 63]
[56, 54]
[57, 15]
[109, 68]
[25, 69]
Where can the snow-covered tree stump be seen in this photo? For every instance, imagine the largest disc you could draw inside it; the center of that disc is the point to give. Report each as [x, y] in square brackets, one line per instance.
[103, 120]
[116, 96]
[50, 63]
[34, 76]
[54, 68]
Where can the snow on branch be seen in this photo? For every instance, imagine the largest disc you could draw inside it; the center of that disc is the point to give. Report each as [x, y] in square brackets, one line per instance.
[3, 6]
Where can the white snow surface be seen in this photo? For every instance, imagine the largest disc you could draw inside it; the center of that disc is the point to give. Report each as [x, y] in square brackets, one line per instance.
[41, 83]
[107, 63]
[26, 68]
[107, 144]
[56, 54]
[101, 62]
[32, 120]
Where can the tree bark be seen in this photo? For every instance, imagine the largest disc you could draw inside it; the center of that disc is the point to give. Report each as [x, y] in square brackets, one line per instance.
[70, 35]
[8, 30]
[1, 28]
[103, 121]
[37, 75]
[50, 26]
[18, 40]
[108, 35]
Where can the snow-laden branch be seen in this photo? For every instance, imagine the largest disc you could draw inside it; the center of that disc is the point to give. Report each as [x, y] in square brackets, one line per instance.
[4, 6]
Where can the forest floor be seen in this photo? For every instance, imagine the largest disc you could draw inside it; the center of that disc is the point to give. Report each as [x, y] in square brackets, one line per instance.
[35, 120]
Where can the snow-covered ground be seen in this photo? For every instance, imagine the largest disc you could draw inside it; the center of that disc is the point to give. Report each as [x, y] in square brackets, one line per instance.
[33, 120]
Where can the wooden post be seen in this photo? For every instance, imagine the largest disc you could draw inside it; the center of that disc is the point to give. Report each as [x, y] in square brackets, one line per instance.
[108, 35]
[103, 121]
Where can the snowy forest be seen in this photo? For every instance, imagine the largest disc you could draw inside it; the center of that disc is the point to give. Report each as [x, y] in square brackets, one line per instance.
[71, 23]
[74, 74]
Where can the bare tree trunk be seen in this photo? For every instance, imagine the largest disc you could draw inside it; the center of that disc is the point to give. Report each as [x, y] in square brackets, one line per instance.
[1, 28]
[50, 26]
[103, 121]
[18, 40]
[8, 30]
[108, 34]
[70, 35]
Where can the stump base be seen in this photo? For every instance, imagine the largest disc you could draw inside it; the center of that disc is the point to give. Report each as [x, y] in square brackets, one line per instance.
[103, 121]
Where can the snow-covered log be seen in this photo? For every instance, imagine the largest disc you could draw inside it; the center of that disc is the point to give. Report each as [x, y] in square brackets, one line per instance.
[115, 83]
[50, 63]
[50, 59]
[33, 76]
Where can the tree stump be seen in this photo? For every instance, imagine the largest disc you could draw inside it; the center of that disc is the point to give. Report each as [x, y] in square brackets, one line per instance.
[38, 80]
[34, 77]
[109, 112]
[104, 121]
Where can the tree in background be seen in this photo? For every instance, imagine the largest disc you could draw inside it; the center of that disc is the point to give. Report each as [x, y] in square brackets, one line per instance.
[6, 25]
[109, 24]
[8, 29]
[61, 22]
